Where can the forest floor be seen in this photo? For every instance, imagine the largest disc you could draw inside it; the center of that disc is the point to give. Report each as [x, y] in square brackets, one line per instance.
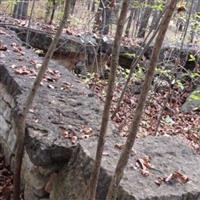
[173, 121]
[6, 180]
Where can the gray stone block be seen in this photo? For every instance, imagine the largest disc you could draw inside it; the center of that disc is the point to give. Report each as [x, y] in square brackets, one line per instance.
[192, 102]
[168, 154]
[4, 128]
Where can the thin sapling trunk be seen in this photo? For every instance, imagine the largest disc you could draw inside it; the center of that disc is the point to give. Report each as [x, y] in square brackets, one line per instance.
[21, 117]
[106, 112]
[123, 160]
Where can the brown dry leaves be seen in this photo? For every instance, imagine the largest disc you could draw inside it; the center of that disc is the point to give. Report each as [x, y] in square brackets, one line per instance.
[24, 70]
[84, 133]
[6, 180]
[3, 47]
[173, 178]
[69, 134]
[173, 121]
[144, 164]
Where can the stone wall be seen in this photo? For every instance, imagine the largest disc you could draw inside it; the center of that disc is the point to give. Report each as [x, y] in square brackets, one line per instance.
[63, 105]
[33, 180]
[7, 135]
[59, 151]
[87, 48]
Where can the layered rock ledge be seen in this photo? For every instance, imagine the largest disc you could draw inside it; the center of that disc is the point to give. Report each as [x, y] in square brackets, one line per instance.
[87, 47]
[59, 151]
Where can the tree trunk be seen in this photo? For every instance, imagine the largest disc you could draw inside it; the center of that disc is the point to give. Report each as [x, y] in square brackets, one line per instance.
[91, 5]
[47, 11]
[156, 15]
[54, 5]
[109, 96]
[29, 23]
[21, 9]
[123, 160]
[196, 22]
[145, 19]
[73, 6]
[97, 19]
[135, 22]
[103, 16]
[147, 41]
[106, 25]
[20, 115]
[130, 20]
[187, 24]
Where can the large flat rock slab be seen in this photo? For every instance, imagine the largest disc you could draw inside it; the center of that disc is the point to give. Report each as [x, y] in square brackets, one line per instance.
[91, 45]
[63, 105]
[168, 154]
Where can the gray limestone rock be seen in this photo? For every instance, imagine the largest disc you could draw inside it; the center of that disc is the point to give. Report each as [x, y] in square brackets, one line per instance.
[168, 154]
[193, 102]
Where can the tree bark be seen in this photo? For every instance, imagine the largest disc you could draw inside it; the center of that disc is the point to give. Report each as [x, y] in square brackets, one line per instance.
[123, 160]
[29, 22]
[73, 3]
[130, 20]
[47, 11]
[156, 15]
[20, 119]
[21, 9]
[145, 19]
[103, 16]
[93, 6]
[109, 96]
[196, 22]
[187, 24]
[54, 5]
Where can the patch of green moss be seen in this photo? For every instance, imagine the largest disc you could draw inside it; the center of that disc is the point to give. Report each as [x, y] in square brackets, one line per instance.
[128, 55]
[196, 92]
[195, 96]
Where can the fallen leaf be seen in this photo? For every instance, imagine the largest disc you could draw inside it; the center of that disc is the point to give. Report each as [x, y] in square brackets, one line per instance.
[50, 86]
[168, 178]
[176, 176]
[3, 47]
[66, 134]
[182, 178]
[74, 139]
[159, 181]
[22, 71]
[119, 146]
[145, 172]
[86, 130]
